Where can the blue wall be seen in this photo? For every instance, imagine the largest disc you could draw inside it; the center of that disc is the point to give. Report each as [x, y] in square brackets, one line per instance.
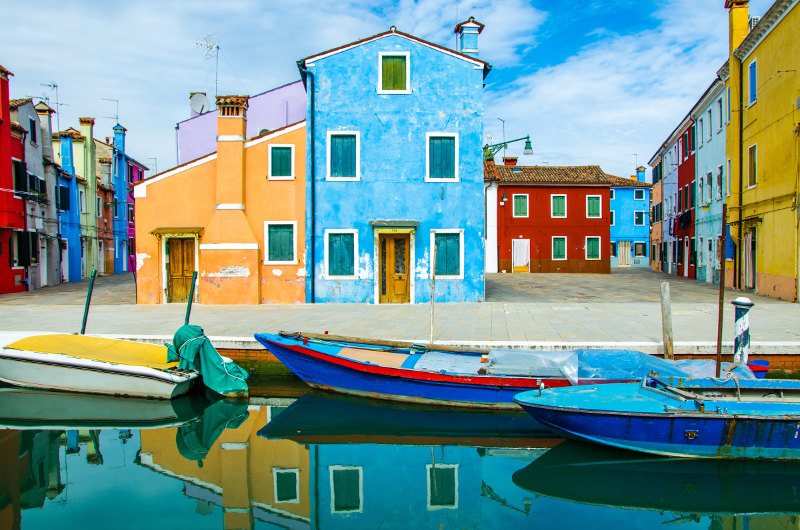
[121, 199]
[70, 219]
[446, 96]
[624, 204]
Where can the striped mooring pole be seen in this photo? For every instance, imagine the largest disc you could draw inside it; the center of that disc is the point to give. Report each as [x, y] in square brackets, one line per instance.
[741, 345]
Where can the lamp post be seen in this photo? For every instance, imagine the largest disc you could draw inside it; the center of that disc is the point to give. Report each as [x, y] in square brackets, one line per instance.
[490, 150]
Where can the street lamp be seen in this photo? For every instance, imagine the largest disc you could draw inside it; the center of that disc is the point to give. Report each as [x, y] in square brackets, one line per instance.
[490, 150]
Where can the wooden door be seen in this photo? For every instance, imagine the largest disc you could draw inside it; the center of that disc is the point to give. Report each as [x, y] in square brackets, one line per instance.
[624, 253]
[180, 268]
[749, 258]
[520, 255]
[395, 253]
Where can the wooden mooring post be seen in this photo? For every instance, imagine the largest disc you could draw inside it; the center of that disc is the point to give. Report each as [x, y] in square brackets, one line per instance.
[666, 321]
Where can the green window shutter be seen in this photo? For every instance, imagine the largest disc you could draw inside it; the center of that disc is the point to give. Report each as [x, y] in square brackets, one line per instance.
[343, 155]
[341, 254]
[281, 161]
[442, 157]
[393, 75]
[593, 248]
[443, 486]
[281, 242]
[285, 486]
[559, 248]
[346, 490]
[520, 206]
[559, 206]
[593, 209]
[448, 254]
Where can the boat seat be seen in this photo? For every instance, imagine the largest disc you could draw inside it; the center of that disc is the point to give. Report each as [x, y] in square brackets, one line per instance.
[381, 358]
[98, 349]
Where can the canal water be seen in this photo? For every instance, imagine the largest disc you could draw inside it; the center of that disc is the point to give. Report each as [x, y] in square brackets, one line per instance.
[298, 459]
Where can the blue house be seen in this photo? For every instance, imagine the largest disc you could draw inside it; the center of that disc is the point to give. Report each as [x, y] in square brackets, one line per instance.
[395, 126]
[69, 212]
[629, 209]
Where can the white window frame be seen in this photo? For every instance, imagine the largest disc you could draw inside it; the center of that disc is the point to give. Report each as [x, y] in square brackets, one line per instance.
[721, 174]
[611, 194]
[752, 64]
[727, 177]
[755, 180]
[291, 155]
[296, 473]
[700, 131]
[360, 469]
[293, 261]
[428, 468]
[328, 176]
[634, 249]
[552, 195]
[527, 204]
[381, 55]
[82, 200]
[612, 217]
[99, 206]
[636, 192]
[460, 232]
[710, 116]
[721, 119]
[428, 137]
[599, 248]
[553, 246]
[325, 274]
[600, 216]
[727, 104]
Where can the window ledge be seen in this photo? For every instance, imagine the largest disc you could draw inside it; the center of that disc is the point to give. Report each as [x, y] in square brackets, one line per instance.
[342, 179]
[381, 91]
[293, 262]
[285, 177]
[429, 179]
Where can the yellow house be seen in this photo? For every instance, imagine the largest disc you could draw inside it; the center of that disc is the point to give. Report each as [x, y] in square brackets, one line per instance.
[762, 144]
[236, 216]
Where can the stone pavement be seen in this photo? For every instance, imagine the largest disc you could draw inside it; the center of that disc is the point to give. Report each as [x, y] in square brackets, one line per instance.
[537, 310]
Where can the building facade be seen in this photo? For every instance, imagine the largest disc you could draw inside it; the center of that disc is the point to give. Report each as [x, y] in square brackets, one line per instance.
[686, 245]
[657, 252]
[629, 221]
[71, 258]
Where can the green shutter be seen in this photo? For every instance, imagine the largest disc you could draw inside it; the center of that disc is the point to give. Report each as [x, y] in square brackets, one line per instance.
[559, 248]
[285, 486]
[448, 254]
[593, 248]
[593, 208]
[442, 157]
[281, 161]
[559, 206]
[346, 490]
[520, 206]
[343, 155]
[281, 242]
[393, 75]
[341, 254]
[443, 486]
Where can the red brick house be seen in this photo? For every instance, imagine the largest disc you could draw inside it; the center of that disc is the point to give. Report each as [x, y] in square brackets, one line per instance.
[547, 218]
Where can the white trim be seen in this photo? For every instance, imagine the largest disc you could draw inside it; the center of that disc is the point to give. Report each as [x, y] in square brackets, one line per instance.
[267, 261]
[428, 137]
[552, 195]
[360, 469]
[644, 213]
[599, 248]
[613, 215]
[753, 63]
[165, 264]
[296, 473]
[328, 232]
[766, 33]
[428, 468]
[275, 134]
[228, 246]
[600, 215]
[460, 232]
[230, 137]
[635, 192]
[552, 248]
[328, 176]
[407, 55]
[229, 206]
[291, 175]
[611, 194]
[385, 231]
[527, 209]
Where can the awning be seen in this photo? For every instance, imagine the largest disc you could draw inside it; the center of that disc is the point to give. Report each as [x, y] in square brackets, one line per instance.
[394, 223]
[177, 230]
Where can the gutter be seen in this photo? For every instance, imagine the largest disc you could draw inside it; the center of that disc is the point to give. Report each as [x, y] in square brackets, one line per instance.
[308, 75]
[739, 236]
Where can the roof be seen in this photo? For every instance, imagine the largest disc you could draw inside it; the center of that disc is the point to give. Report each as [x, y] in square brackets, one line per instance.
[566, 175]
[5, 71]
[620, 182]
[16, 103]
[72, 133]
[44, 107]
[16, 127]
[251, 97]
[471, 21]
[764, 26]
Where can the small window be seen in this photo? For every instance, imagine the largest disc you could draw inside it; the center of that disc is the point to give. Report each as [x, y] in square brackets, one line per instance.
[280, 242]
[728, 105]
[116, 209]
[558, 206]
[719, 115]
[559, 248]
[719, 182]
[343, 156]
[449, 255]
[442, 486]
[394, 73]
[592, 248]
[287, 485]
[82, 200]
[346, 489]
[700, 130]
[638, 195]
[710, 126]
[281, 162]
[751, 166]
[639, 250]
[32, 130]
[680, 199]
[751, 82]
[340, 253]
[442, 157]
[593, 209]
[611, 214]
[520, 205]
[99, 207]
[613, 249]
[611, 194]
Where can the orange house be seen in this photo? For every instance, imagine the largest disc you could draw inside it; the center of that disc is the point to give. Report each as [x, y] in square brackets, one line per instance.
[236, 216]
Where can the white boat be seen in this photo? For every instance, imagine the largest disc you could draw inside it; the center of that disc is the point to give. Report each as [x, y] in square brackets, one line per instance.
[93, 365]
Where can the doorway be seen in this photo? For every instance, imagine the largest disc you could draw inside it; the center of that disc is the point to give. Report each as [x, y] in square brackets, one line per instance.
[749, 259]
[686, 257]
[520, 255]
[624, 253]
[394, 253]
[180, 266]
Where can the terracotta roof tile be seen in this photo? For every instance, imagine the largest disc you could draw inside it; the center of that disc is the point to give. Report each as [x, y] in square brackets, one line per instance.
[619, 182]
[5, 71]
[16, 127]
[16, 103]
[582, 175]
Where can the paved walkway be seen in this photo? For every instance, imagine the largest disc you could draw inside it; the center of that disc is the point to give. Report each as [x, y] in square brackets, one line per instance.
[540, 309]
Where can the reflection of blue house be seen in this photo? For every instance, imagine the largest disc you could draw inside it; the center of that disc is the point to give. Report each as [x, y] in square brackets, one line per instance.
[69, 216]
[629, 209]
[395, 132]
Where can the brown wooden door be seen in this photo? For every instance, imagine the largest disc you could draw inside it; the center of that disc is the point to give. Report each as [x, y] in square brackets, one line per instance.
[395, 255]
[181, 267]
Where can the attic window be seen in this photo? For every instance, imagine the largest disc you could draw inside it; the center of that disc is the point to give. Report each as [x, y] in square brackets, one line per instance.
[394, 72]
[516, 170]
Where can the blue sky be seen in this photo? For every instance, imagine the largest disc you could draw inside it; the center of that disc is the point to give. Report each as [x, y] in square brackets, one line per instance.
[592, 82]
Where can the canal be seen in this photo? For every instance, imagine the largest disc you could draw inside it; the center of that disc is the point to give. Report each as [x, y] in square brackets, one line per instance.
[293, 458]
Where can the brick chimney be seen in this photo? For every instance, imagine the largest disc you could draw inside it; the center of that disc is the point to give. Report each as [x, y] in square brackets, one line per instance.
[509, 160]
[468, 32]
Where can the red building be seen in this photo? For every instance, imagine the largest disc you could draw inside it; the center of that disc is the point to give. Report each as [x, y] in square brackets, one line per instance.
[550, 218]
[686, 248]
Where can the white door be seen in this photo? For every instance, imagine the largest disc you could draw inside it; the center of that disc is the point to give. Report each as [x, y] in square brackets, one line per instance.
[686, 257]
[624, 253]
[43, 263]
[747, 258]
[64, 260]
[521, 255]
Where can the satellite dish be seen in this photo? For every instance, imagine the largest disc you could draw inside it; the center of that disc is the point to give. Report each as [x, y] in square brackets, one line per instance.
[199, 103]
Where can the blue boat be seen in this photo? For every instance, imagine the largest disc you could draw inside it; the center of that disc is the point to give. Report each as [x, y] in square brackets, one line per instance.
[707, 418]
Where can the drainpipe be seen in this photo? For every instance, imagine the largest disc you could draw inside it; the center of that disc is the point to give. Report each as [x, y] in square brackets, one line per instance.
[739, 237]
[312, 202]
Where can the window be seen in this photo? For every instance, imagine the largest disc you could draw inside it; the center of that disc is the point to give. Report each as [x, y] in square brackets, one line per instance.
[710, 126]
[442, 486]
[613, 249]
[592, 248]
[727, 104]
[611, 217]
[20, 175]
[700, 129]
[449, 253]
[692, 195]
[700, 190]
[751, 82]
[441, 157]
[340, 253]
[520, 205]
[286, 484]
[279, 242]
[680, 198]
[343, 156]
[130, 213]
[346, 489]
[686, 197]
[281, 162]
[719, 115]
[611, 194]
[700, 250]
[638, 195]
[593, 209]
[82, 200]
[728, 178]
[558, 206]
[116, 209]
[99, 207]
[559, 248]
[751, 166]
[63, 198]
[719, 181]
[394, 72]
[32, 130]
[638, 218]
[639, 250]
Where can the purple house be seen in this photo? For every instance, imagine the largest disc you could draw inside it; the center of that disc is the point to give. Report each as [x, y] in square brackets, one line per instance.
[197, 136]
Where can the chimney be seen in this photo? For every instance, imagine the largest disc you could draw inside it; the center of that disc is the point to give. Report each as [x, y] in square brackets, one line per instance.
[468, 32]
[509, 160]
[87, 128]
[45, 113]
[231, 126]
[640, 174]
[119, 138]
[738, 22]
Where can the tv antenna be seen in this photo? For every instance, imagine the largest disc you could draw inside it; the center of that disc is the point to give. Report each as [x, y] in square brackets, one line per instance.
[212, 50]
[52, 85]
[115, 117]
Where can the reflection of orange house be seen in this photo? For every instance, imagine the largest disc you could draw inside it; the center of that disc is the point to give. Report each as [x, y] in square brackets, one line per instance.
[237, 216]
[249, 476]
[9, 479]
